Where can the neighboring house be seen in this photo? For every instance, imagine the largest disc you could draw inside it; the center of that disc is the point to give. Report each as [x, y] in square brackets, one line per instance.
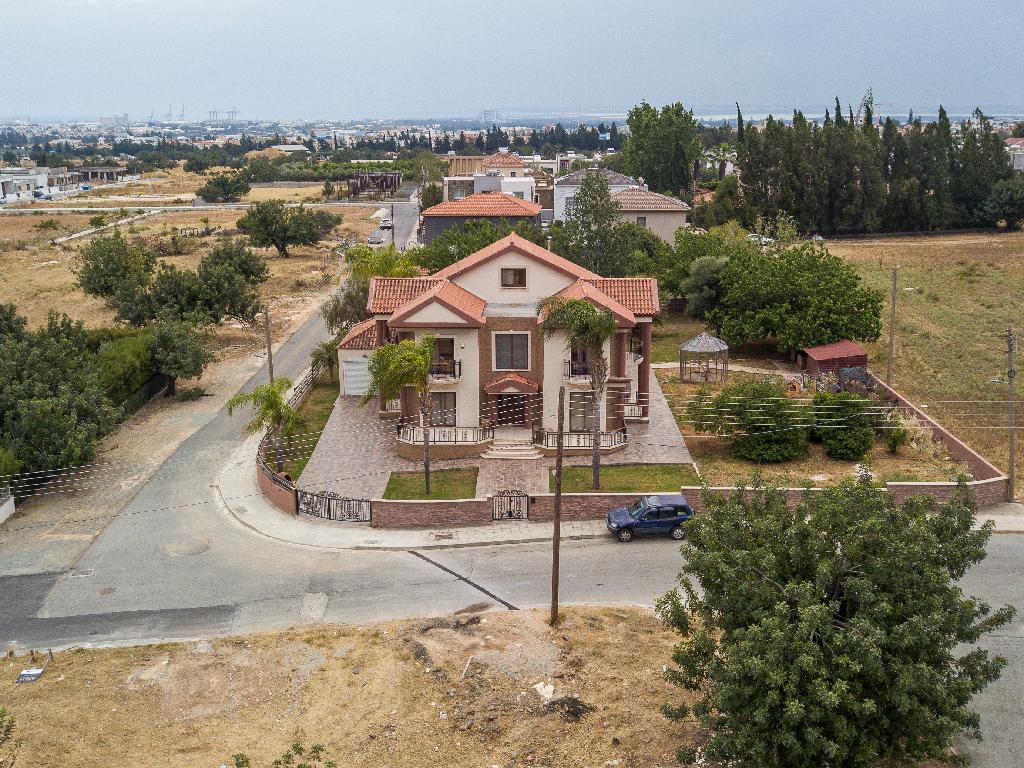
[505, 163]
[1016, 149]
[493, 367]
[33, 183]
[492, 206]
[567, 186]
[458, 187]
[661, 214]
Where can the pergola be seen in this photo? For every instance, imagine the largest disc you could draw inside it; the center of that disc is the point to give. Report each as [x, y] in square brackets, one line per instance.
[704, 359]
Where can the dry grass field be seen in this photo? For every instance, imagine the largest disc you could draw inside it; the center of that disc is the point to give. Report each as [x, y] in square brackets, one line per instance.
[37, 275]
[950, 330]
[296, 194]
[399, 694]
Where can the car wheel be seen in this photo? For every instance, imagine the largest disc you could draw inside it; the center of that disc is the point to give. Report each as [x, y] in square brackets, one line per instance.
[678, 533]
[625, 534]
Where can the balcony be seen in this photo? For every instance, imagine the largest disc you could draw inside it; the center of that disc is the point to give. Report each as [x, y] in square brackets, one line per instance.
[575, 369]
[446, 369]
[446, 435]
[578, 440]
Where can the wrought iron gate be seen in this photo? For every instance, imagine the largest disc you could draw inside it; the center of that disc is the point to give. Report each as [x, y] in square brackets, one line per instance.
[331, 506]
[510, 505]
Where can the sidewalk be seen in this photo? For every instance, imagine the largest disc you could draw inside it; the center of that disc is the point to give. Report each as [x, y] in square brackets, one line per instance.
[243, 500]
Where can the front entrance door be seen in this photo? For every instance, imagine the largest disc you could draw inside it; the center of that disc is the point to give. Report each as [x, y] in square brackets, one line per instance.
[510, 410]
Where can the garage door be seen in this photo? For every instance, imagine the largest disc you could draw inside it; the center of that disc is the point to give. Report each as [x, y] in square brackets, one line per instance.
[355, 376]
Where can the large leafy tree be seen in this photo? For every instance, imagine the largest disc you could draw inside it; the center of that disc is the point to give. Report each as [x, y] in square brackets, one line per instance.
[180, 351]
[589, 328]
[269, 409]
[53, 410]
[799, 297]
[224, 188]
[663, 146]
[833, 634]
[1006, 203]
[272, 224]
[589, 236]
[392, 368]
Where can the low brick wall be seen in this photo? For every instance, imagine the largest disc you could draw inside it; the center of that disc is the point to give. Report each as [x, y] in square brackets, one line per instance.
[441, 451]
[282, 498]
[417, 514]
[981, 468]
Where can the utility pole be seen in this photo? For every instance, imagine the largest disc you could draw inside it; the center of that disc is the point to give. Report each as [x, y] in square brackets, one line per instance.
[1011, 374]
[892, 331]
[266, 333]
[556, 534]
[392, 222]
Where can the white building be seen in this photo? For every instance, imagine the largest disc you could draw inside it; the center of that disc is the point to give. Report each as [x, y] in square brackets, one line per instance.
[493, 366]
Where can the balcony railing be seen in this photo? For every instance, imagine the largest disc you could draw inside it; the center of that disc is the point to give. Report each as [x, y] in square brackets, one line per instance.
[446, 369]
[632, 410]
[572, 440]
[575, 369]
[447, 435]
[392, 406]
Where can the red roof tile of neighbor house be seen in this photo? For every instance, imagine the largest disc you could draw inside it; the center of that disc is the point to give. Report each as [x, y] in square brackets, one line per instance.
[360, 336]
[485, 205]
[466, 305]
[640, 294]
[510, 381]
[389, 293]
[639, 199]
[503, 160]
[836, 350]
[585, 290]
[521, 244]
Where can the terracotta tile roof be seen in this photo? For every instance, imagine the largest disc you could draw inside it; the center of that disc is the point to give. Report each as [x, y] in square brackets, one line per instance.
[466, 305]
[485, 205]
[639, 294]
[703, 196]
[389, 293]
[1018, 142]
[582, 289]
[639, 199]
[834, 351]
[510, 381]
[524, 246]
[360, 336]
[503, 160]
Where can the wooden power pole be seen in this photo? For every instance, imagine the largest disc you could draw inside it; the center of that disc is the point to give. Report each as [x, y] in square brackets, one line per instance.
[892, 331]
[1011, 374]
[556, 535]
[266, 334]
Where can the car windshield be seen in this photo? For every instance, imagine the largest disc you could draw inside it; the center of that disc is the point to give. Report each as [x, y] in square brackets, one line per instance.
[636, 508]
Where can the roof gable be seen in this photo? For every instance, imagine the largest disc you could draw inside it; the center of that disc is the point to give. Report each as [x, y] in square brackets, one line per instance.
[514, 242]
[615, 179]
[503, 160]
[485, 205]
[584, 290]
[462, 308]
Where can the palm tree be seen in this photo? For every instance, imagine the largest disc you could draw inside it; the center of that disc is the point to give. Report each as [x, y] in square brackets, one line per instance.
[588, 328]
[325, 355]
[269, 410]
[392, 368]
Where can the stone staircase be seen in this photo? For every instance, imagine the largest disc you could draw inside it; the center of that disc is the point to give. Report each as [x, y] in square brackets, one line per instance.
[513, 445]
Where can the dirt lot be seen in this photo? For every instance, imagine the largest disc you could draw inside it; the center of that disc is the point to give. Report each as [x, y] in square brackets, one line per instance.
[950, 330]
[717, 467]
[382, 695]
[296, 194]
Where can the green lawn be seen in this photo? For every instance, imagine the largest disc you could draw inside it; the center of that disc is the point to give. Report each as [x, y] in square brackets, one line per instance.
[444, 484]
[315, 410]
[628, 478]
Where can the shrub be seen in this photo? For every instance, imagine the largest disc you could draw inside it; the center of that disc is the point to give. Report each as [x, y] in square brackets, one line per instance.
[9, 465]
[767, 427]
[896, 437]
[841, 424]
[125, 363]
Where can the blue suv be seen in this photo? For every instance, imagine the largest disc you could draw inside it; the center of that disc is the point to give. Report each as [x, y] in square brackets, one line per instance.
[664, 513]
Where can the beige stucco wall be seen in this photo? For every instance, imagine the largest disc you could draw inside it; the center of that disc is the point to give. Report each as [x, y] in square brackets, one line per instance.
[485, 280]
[662, 223]
[466, 389]
[555, 355]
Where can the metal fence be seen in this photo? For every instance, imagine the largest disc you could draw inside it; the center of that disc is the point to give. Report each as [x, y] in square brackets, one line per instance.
[585, 439]
[330, 506]
[510, 505]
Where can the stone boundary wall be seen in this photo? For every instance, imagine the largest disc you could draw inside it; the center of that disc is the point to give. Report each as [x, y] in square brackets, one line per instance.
[280, 497]
[385, 513]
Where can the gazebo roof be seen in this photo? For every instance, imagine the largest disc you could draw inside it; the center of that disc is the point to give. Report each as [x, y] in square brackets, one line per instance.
[705, 342]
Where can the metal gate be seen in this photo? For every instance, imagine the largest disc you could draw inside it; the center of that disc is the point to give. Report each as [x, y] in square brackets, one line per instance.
[331, 506]
[510, 505]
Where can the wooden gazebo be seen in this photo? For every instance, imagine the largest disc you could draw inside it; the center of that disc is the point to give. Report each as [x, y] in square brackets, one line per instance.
[704, 359]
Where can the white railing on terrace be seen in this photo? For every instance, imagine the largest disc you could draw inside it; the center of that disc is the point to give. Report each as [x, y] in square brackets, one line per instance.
[392, 406]
[449, 435]
[585, 439]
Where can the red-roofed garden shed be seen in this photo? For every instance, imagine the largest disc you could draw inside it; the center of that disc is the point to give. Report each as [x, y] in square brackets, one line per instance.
[832, 357]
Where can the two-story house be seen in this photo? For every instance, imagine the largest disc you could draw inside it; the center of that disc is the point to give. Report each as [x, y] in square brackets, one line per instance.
[495, 373]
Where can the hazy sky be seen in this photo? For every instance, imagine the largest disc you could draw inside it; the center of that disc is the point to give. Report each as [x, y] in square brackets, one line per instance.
[352, 59]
